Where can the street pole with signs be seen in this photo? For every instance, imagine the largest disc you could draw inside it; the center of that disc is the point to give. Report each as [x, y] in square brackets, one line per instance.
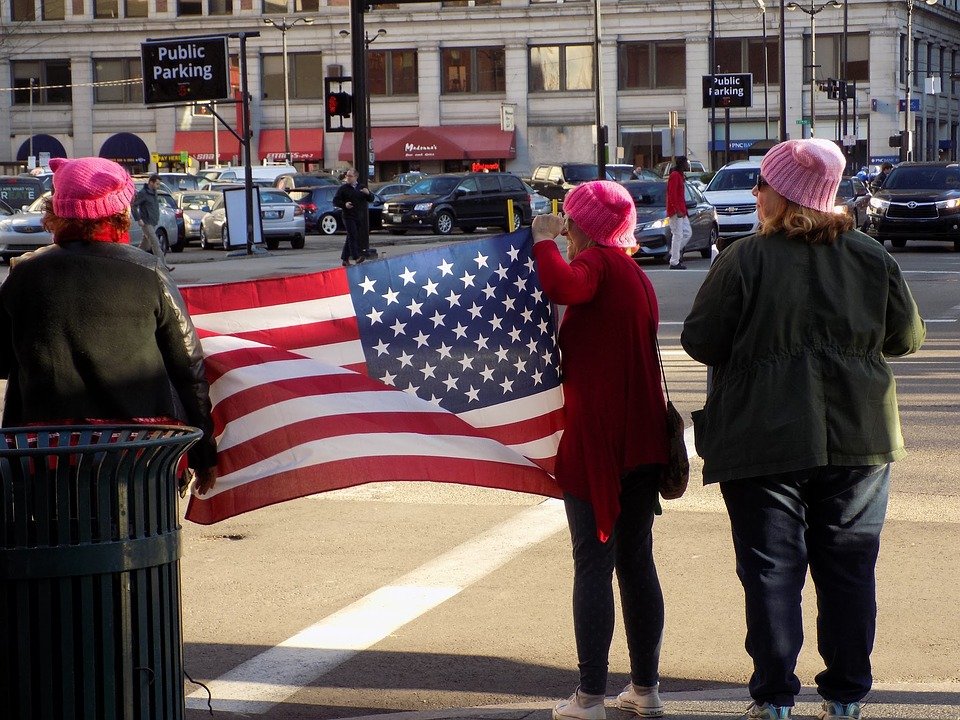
[283, 25]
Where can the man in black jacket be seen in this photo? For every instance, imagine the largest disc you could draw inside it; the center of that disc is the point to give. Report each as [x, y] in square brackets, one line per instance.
[353, 200]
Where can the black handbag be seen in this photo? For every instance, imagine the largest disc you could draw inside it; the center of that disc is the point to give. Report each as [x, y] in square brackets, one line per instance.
[675, 475]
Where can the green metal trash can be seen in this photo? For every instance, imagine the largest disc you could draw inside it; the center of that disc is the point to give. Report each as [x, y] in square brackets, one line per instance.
[90, 572]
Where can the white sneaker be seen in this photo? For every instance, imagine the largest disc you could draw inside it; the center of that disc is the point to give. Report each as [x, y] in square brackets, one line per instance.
[644, 701]
[580, 706]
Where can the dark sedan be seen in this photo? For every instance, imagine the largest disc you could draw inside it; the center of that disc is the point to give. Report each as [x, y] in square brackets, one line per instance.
[653, 226]
[853, 198]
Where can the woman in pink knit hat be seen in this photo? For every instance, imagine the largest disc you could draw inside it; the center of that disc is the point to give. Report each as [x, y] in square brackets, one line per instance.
[92, 329]
[615, 440]
[801, 423]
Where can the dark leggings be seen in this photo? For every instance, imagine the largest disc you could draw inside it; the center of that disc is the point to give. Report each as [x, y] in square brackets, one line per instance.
[630, 551]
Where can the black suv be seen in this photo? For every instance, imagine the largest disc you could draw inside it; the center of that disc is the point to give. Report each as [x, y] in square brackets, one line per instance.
[918, 201]
[464, 200]
[554, 180]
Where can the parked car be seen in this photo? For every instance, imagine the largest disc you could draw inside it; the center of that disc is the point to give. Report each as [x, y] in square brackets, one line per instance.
[194, 204]
[853, 198]
[465, 200]
[289, 181]
[23, 231]
[180, 181]
[387, 190]
[653, 233]
[697, 168]
[19, 191]
[539, 205]
[918, 201]
[43, 174]
[621, 172]
[730, 191]
[645, 174]
[281, 219]
[554, 180]
[319, 213]
[262, 175]
[409, 178]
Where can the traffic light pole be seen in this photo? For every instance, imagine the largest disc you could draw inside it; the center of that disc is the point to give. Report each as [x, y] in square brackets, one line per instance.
[361, 124]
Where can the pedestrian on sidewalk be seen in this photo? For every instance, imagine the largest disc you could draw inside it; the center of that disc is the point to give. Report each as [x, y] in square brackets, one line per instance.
[145, 209]
[93, 330]
[353, 200]
[801, 424]
[680, 230]
[614, 442]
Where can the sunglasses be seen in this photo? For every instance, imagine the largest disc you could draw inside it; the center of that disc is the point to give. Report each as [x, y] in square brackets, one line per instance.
[761, 183]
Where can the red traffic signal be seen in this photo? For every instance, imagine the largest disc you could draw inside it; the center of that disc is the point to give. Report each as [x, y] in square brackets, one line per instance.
[339, 104]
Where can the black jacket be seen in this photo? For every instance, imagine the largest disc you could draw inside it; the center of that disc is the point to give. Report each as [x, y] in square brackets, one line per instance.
[96, 330]
[348, 193]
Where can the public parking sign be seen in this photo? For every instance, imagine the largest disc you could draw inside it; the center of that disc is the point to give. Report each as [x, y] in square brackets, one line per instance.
[182, 70]
[729, 90]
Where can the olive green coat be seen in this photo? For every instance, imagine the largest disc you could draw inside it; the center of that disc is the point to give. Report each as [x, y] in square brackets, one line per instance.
[797, 335]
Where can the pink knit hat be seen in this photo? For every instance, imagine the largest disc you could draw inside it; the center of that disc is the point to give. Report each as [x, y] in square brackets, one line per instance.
[605, 211]
[807, 172]
[90, 188]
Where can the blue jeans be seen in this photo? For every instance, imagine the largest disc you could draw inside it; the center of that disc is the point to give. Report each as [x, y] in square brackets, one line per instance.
[829, 519]
[630, 550]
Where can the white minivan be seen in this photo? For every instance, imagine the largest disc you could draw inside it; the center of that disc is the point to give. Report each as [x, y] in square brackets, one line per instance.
[730, 191]
[264, 175]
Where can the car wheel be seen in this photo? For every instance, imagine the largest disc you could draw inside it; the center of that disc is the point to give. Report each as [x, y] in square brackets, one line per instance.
[517, 220]
[162, 240]
[204, 242]
[898, 242]
[327, 225]
[443, 225]
[298, 242]
[225, 238]
[706, 252]
[469, 228]
[272, 243]
[180, 245]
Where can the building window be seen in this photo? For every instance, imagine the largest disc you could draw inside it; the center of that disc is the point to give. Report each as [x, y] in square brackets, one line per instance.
[474, 70]
[745, 55]
[136, 9]
[304, 68]
[51, 77]
[118, 71]
[53, 9]
[23, 11]
[274, 7]
[220, 7]
[106, 9]
[392, 72]
[651, 65]
[561, 67]
[188, 8]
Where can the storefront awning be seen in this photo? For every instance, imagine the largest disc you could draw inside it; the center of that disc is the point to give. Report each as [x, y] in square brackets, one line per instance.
[125, 148]
[199, 145]
[306, 144]
[440, 142]
[41, 144]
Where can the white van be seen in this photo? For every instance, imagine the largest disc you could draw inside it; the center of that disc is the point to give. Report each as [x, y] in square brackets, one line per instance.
[261, 174]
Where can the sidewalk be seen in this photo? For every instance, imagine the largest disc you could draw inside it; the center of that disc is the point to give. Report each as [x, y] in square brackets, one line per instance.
[886, 702]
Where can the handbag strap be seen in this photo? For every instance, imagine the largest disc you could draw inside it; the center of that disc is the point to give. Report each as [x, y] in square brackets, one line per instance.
[656, 341]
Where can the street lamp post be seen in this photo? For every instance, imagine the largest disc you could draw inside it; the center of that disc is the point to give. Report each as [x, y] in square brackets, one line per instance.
[813, 11]
[367, 40]
[766, 71]
[283, 25]
[32, 81]
[907, 142]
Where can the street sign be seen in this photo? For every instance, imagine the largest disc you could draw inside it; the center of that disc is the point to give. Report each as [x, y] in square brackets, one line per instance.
[185, 70]
[849, 140]
[803, 121]
[728, 90]
[914, 105]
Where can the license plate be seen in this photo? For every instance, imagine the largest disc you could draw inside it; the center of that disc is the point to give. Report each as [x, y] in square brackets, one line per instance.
[397, 218]
[272, 214]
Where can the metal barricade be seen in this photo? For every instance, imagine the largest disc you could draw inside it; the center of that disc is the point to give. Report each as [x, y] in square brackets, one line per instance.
[89, 572]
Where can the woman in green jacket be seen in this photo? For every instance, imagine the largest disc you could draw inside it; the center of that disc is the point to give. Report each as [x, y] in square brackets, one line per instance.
[801, 422]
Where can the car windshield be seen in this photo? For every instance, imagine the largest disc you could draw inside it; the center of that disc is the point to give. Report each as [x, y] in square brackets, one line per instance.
[734, 179]
[652, 194]
[845, 189]
[272, 198]
[434, 186]
[198, 201]
[923, 178]
[37, 205]
[580, 173]
[620, 173]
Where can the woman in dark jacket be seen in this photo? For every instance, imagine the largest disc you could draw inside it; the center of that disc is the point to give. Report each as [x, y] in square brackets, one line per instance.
[92, 329]
[615, 440]
[801, 423]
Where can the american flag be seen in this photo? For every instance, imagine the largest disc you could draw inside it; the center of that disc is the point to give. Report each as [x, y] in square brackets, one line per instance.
[440, 365]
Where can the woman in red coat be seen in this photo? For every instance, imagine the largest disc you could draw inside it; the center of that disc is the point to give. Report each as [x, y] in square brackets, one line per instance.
[615, 440]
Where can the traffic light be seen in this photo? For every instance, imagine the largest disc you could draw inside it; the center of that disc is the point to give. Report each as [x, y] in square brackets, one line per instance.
[831, 88]
[896, 140]
[339, 104]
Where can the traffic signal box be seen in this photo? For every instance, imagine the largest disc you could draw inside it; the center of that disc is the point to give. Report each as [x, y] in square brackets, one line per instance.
[339, 104]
